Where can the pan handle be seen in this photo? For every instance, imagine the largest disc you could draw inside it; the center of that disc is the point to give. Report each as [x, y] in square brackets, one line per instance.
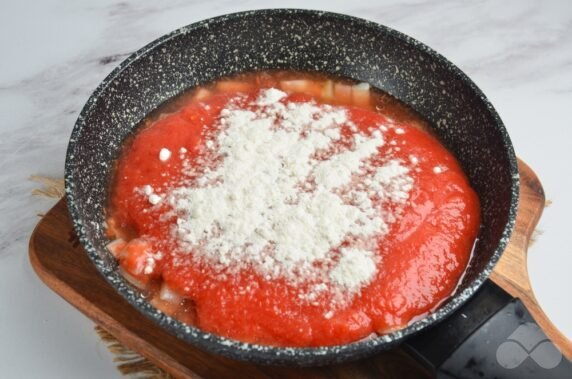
[491, 336]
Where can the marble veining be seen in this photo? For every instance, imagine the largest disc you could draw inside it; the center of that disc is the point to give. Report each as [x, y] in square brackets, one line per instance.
[55, 53]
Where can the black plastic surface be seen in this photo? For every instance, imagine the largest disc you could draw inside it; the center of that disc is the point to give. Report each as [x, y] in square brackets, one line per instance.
[491, 336]
[508, 345]
[436, 345]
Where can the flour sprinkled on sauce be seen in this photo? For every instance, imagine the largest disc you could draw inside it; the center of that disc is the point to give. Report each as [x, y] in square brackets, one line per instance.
[293, 197]
[164, 154]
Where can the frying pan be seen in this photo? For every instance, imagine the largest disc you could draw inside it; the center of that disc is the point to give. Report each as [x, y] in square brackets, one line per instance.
[460, 114]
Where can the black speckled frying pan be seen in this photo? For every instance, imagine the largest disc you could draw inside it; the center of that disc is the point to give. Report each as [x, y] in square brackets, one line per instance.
[316, 41]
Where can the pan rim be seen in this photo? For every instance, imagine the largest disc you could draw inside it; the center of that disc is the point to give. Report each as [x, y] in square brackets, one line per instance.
[272, 354]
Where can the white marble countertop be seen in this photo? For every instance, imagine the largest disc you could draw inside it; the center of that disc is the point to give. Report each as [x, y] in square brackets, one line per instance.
[55, 52]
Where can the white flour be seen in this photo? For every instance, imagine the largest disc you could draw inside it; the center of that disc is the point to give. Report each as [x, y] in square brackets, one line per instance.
[287, 199]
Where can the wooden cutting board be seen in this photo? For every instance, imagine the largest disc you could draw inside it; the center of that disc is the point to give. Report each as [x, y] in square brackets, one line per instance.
[63, 265]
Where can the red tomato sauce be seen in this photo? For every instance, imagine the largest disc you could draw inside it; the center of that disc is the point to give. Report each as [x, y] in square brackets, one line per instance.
[423, 256]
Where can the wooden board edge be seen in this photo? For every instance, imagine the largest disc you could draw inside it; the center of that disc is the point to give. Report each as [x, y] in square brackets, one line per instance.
[126, 338]
[511, 272]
